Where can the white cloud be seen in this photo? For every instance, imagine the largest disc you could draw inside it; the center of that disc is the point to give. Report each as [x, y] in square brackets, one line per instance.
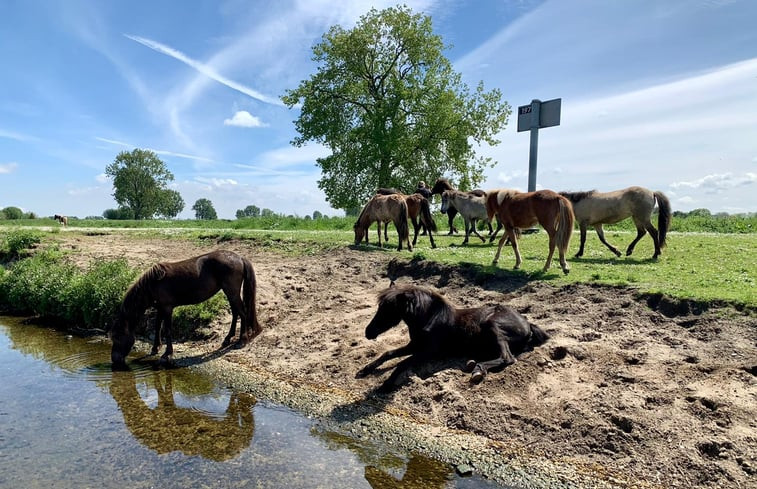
[17, 136]
[718, 182]
[102, 178]
[244, 119]
[8, 167]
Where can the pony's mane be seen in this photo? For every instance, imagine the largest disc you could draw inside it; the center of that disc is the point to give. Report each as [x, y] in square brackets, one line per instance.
[578, 196]
[441, 185]
[425, 299]
[135, 296]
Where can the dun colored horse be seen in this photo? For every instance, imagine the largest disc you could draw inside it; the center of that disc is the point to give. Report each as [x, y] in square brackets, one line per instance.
[524, 209]
[443, 184]
[61, 219]
[472, 207]
[191, 281]
[596, 208]
[384, 208]
[438, 329]
[419, 212]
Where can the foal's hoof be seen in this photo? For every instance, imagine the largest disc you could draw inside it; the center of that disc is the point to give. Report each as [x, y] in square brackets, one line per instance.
[470, 365]
[477, 376]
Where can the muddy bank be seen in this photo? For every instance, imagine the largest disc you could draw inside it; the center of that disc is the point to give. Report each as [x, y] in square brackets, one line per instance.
[629, 391]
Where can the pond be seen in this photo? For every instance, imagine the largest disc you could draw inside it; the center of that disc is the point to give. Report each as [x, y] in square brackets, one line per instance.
[68, 421]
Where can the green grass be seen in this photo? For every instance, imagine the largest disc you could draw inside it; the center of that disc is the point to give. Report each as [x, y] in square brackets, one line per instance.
[695, 265]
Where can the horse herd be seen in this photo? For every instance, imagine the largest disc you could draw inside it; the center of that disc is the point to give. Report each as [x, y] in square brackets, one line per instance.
[515, 210]
[487, 337]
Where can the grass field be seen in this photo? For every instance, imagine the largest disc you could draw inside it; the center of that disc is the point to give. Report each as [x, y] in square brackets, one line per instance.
[695, 265]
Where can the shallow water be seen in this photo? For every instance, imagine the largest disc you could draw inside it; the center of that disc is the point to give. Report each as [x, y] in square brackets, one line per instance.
[68, 421]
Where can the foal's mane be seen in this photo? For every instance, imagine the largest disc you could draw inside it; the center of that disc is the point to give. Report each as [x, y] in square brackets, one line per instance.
[427, 304]
[578, 196]
[136, 295]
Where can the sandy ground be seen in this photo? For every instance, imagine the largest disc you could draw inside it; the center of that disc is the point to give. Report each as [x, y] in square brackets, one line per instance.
[649, 390]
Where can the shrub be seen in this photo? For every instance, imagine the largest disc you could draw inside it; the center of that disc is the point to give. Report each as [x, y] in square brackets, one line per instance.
[17, 243]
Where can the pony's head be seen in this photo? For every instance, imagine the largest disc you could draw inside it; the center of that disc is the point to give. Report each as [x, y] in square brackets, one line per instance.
[122, 336]
[359, 232]
[399, 303]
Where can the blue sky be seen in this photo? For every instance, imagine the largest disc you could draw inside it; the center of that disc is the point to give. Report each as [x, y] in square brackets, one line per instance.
[657, 93]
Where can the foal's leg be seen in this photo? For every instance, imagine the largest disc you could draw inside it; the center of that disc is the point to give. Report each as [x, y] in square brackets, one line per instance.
[388, 355]
[475, 231]
[416, 229]
[505, 358]
[601, 234]
[156, 338]
[379, 234]
[552, 243]
[656, 238]
[167, 314]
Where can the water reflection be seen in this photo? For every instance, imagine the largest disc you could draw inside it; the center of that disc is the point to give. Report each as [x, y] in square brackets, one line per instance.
[167, 427]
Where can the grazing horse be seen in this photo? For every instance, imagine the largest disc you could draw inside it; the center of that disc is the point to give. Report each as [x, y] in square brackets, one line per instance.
[524, 209]
[419, 212]
[167, 285]
[484, 335]
[471, 207]
[596, 208]
[384, 208]
[61, 219]
[443, 184]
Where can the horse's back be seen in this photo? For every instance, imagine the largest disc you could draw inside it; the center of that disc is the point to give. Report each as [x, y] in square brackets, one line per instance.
[614, 206]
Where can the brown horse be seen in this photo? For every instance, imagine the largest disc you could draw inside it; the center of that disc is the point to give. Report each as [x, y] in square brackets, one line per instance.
[61, 219]
[443, 184]
[191, 281]
[437, 329]
[524, 209]
[384, 208]
[596, 208]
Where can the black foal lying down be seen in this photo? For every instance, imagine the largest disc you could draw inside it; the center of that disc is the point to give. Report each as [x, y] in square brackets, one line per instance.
[438, 329]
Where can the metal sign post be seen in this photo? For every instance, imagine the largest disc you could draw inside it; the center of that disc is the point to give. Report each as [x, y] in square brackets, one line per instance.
[532, 118]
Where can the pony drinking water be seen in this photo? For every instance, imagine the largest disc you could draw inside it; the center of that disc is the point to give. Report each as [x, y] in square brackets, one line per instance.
[191, 281]
[596, 208]
[484, 335]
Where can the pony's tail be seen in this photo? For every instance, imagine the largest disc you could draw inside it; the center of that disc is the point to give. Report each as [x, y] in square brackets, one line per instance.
[663, 217]
[403, 229]
[538, 336]
[249, 289]
[426, 217]
[565, 221]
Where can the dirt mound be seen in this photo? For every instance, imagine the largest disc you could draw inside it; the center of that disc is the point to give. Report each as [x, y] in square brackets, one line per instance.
[660, 391]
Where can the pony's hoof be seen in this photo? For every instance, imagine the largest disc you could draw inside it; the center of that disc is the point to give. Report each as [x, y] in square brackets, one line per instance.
[240, 344]
[477, 376]
[470, 365]
[566, 271]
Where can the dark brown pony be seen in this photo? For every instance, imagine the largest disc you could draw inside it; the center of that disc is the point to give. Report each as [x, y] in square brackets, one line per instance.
[384, 208]
[596, 208]
[443, 184]
[167, 285]
[483, 335]
[524, 209]
[61, 219]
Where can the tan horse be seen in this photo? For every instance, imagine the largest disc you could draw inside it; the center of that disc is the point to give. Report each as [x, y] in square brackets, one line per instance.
[524, 209]
[596, 208]
[384, 208]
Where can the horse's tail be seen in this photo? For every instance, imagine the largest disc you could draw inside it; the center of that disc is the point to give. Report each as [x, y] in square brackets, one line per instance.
[565, 220]
[249, 289]
[426, 217]
[538, 336]
[663, 217]
[403, 229]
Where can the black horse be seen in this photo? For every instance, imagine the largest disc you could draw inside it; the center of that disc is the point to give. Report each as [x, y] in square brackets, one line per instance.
[191, 281]
[438, 329]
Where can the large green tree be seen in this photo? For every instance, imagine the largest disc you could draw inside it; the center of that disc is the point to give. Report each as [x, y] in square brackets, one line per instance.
[140, 181]
[392, 110]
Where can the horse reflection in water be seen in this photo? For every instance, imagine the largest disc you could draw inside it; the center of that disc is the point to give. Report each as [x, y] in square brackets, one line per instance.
[168, 428]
